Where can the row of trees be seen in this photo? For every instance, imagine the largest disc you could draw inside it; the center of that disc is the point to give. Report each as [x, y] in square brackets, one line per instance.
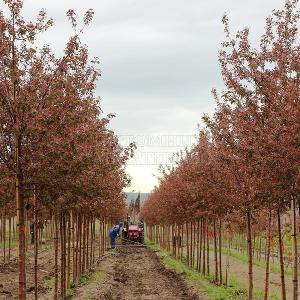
[247, 158]
[58, 159]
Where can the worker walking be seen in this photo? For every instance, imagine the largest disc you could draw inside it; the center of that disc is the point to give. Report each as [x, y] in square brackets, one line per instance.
[113, 233]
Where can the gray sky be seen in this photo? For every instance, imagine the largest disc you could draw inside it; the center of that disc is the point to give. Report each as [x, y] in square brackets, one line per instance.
[158, 59]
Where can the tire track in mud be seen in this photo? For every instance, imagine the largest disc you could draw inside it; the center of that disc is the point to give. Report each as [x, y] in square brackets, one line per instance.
[138, 274]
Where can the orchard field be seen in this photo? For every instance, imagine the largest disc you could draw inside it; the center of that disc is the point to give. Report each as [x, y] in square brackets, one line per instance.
[223, 221]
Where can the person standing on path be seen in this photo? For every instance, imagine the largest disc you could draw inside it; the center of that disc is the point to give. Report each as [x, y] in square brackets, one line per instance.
[113, 234]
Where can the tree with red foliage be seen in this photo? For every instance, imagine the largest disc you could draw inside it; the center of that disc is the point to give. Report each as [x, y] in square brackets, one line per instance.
[254, 137]
[53, 138]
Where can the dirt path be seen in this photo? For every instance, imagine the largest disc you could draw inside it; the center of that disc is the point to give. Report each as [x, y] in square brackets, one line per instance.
[135, 274]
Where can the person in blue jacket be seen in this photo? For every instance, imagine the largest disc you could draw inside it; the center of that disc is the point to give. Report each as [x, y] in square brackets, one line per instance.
[113, 233]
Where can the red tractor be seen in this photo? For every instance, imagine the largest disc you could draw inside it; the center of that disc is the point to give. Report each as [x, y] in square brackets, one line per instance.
[133, 233]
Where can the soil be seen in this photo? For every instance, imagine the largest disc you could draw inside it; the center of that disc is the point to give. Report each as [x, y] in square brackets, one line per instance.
[133, 273]
[9, 273]
[136, 274]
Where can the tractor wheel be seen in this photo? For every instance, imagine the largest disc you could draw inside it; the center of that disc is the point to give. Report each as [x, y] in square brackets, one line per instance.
[142, 239]
[124, 238]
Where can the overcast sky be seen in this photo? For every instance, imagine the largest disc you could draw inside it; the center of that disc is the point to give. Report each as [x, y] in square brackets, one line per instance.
[158, 59]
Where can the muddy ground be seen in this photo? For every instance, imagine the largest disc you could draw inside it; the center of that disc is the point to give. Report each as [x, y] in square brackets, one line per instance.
[135, 274]
[128, 274]
[9, 273]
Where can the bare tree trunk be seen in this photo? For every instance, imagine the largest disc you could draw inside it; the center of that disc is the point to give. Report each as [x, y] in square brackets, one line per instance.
[250, 262]
[56, 259]
[220, 251]
[207, 248]
[69, 249]
[192, 244]
[227, 256]
[4, 235]
[283, 290]
[83, 245]
[35, 248]
[268, 257]
[197, 245]
[64, 249]
[187, 244]
[216, 253]
[75, 261]
[80, 249]
[93, 239]
[100, 239]
[91, 243]
[61, 257]
[21, 226]
[87, 234]
[294, 250]
[200, 246]
[204, 246]
[9, 239]
[181, 250]
[260, 246]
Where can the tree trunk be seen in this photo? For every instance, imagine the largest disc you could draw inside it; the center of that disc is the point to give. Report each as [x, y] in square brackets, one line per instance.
[200, 245]
[61, 257]
[191, 245]
[227, 256]
[204, 246]
[181, 249]
[75, 262]
[216, 253]
[4, 235]
[56, 259]
[80, 249]
[21, 224]
[197, 245]
[187, 244]
[268, 257]
[294, 250]
[64, 249]
[250, 262]
[93, 239]
[207, 248]
[9, 239]
[35, 248]
[87, 234]
[220, 252]
[283, 291]
[83, 245]
[69, 249]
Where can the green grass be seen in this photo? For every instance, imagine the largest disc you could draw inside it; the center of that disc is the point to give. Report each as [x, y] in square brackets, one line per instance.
[49, 281]
[84, 280]
[13, 243]
[98, 275]
[70, 293]
[259, 294]
[111, 252]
